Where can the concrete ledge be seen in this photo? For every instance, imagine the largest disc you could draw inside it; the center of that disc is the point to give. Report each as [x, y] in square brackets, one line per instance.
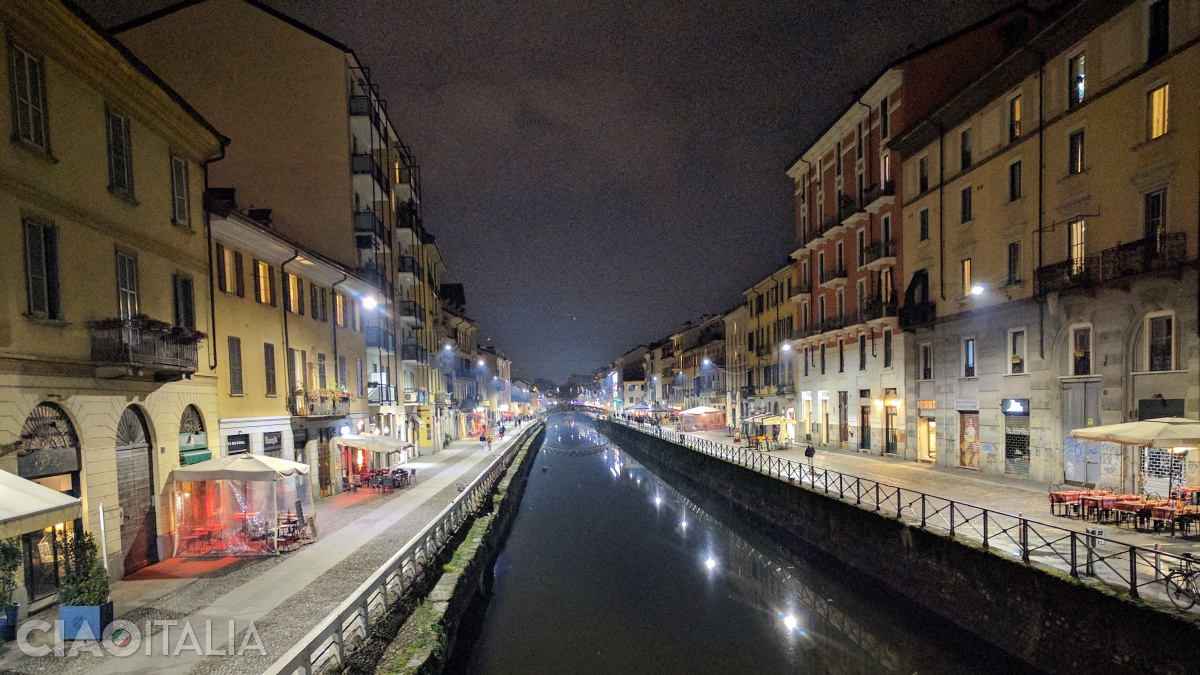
[1048, 620]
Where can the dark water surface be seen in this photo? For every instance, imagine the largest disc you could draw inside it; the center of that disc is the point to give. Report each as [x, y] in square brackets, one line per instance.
[608, 569]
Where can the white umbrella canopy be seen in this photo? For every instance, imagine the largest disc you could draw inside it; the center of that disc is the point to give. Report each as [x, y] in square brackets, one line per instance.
[700, 410]
[1163, 432]
[240, 467]
[26, 506]
[379, 445]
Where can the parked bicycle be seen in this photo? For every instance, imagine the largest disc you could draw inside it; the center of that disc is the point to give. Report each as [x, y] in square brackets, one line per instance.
[1181, 583]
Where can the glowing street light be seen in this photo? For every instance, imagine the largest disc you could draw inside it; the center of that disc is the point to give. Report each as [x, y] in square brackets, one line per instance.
[977, 290]
[369, 302]
[790, 622]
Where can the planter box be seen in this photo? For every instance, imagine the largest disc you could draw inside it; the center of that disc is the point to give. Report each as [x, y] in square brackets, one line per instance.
[8, 623]
[82, 623]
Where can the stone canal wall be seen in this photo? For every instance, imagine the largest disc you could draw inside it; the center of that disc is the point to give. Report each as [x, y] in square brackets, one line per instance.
[427, 637]
[1050, 621]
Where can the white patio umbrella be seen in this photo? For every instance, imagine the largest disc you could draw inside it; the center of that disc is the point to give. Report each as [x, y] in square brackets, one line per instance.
[1175, 434]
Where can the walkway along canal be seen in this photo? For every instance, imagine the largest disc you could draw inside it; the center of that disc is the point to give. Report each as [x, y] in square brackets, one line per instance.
[1007, 591]
[611, 567]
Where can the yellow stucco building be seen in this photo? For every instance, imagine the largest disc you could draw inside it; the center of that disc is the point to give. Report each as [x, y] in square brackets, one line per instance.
[103, 361]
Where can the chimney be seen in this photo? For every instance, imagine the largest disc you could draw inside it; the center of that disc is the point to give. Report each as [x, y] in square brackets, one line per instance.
[220, 200]
[262, 216]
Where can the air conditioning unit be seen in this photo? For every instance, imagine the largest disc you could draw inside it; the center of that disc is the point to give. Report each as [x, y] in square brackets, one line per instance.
[410, 397]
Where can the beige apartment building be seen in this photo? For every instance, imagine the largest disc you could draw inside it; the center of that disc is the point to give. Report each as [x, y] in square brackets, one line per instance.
[1050, 215]
[106, 365]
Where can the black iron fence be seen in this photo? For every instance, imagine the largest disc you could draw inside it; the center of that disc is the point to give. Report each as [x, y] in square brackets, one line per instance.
[1124, 260]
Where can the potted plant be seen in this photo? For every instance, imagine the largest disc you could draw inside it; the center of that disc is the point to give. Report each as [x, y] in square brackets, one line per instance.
[84, 606]
[10, 562]
[446, 442]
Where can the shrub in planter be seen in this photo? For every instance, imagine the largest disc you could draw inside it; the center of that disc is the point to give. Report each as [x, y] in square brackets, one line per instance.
[10, 562]
[84, 606]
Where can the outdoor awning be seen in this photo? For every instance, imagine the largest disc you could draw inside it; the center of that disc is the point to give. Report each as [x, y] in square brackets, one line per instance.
[26, 506]
[1164, 432]
[187, 457]
[639, 406]
[701, 410]
[416, 418]
[774, 419]
[240, 467]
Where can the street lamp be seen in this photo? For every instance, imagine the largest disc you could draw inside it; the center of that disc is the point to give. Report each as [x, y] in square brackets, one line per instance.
[369, 302]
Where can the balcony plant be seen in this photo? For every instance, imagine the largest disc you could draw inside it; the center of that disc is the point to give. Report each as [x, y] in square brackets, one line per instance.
[10, 562]
[146, 324]
[85, 608]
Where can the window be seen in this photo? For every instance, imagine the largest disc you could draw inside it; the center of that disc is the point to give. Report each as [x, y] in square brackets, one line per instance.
[840, 256]
[41, 271]
[922, 175]
[966, 276]
[1156, 220]
[264, 283]
[883, 118]
[127, 284]
[120, 153]
[321, 377]
[1076, 80]
[858, 145]
[885, 168]
[964, 149]
[822, 359]
[862, 248]
[1075, 157]
[923, 225]
[1014, 181]
[926, 362]
[1077, 244]
[269, 368]
[1158, 43]
[1016, 351]
[841, 356]
[1014, 118]
[1081, 350]
[1160, 342]
[887, 348]
[179, 191]
[968, 356]
[324, 305]
[806, 361]
[839, 166]
[358, 367]
[293, 294]
[229, 272]
[862, 352]
[339, 309]
[235, 366]
[185, 302]
[1157, 110]
[341, 373]
[840, 297]
[966, 204]
[1014, 262]
[29, 98]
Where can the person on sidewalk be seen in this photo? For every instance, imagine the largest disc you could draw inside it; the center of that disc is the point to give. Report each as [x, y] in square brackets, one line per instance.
[810, 452]
[489, 442]
[482, 441]
[502, 432]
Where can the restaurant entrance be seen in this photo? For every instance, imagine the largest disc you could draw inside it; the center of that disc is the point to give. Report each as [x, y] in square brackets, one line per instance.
[48, 455]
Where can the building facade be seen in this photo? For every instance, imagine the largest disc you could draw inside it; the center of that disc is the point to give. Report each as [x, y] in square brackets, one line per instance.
[737, 323]
[106, 367]
[770, 362]
[1054, 287]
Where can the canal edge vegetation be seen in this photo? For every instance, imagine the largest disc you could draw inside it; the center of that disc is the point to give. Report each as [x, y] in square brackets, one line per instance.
[422, 643]
[1052, 621]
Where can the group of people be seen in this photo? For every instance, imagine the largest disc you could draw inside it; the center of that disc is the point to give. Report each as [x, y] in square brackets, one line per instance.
[486, 438]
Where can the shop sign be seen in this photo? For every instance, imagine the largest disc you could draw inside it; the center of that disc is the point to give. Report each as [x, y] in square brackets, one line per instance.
[1014, 406]
[237, 444]
[273, 443]
[193, 441]
[967, 404]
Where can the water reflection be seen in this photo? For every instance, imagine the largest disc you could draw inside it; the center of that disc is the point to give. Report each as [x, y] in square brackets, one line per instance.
[609, 569]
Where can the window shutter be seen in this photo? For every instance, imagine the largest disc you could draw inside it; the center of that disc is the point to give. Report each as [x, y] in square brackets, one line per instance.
[316, 313]
[240, 282]
[177, 284]
[254, 267]
[222, 282]
[299, 296]
[287, 292]
[50, 248]
[271, 283]
[35, 269]
[324, 305]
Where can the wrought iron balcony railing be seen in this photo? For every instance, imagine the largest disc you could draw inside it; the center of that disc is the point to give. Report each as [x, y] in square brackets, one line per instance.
[1118, 262]
[165, 350]
[916, 315]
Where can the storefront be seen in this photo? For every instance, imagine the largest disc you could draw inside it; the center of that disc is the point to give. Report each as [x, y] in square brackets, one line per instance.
[968, 439]
[1016, 436]
[48, 454]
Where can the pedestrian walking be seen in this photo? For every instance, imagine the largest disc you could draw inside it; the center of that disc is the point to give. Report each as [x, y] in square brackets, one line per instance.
[501, 433]
[489, 442]
[482, 441]
[810, 452]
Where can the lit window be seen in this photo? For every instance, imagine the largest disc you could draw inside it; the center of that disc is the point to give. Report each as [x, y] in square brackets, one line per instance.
[968, 353]
[1076, 80]
[1077, 245]
[1016, 351]
[1014, 118]
[966, 276]
[1158, 100]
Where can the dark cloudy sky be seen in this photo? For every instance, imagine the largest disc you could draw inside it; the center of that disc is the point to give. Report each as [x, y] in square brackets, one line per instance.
[598, 172]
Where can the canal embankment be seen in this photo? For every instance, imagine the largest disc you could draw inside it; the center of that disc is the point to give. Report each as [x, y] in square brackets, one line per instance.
[420, 636]
[1047, 619]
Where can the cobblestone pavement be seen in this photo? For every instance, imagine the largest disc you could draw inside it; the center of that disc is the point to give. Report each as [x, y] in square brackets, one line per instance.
[285, 595]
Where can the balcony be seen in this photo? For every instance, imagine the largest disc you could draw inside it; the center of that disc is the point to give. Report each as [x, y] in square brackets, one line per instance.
[409, 187]
[408, 271]
[785, 390]
[377, 278]
[749, 390]
[852, 212]
[411, 313]
[370, 231]
[879, 255]
[1119, 262]
[315, 405]
[832, 323]
[877, 310]
[880, 196]
[412, 353]
[379, 394]
[380, 338]
[366, 121]
[142, 346]
[408, 224]
[801, 291]
[917, 315]
[834, 277]
[366, 168]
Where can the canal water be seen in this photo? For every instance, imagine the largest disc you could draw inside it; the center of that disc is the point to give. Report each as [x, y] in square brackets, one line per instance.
[610, 569]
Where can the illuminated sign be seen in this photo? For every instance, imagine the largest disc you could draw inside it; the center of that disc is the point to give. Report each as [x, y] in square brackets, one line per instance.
[927, 404]
[1014, 406]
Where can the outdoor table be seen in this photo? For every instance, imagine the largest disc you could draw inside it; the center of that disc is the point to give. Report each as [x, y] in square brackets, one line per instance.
[1066, 498]
[1098, 505]
[1189, 493]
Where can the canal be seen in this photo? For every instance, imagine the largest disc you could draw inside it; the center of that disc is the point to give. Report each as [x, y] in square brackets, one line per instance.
[609, 569]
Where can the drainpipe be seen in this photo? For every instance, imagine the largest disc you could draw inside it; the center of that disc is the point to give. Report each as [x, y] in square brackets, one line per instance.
[212, 291]
[1041, 196]
[941, 210]
[333, 291]
[286, 341]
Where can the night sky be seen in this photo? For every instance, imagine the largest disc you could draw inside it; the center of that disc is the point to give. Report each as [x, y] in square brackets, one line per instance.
[599, 172]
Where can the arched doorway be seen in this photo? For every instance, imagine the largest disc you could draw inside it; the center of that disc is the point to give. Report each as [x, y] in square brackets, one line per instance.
[47, 454]
[135, 491]
[193, 441]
